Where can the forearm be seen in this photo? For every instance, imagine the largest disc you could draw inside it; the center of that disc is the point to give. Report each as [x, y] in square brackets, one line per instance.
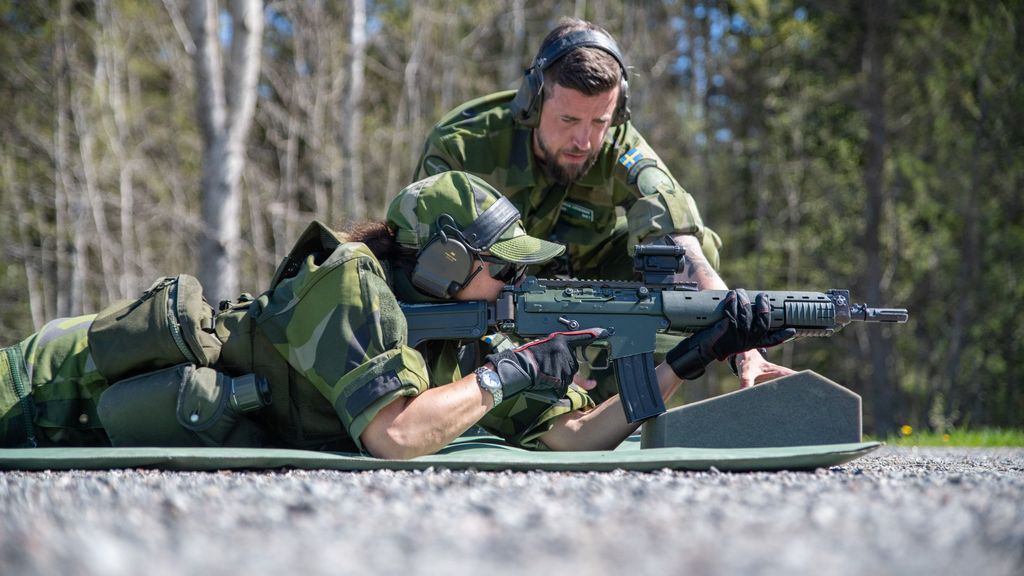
[411, 427]
[697, 268]
[604, 427]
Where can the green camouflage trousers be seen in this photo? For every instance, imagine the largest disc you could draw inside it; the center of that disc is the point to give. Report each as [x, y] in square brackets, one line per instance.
[49, 388]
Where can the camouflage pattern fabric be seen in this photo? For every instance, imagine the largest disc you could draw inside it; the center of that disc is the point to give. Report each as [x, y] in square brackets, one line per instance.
[481, 137]
[63, 384]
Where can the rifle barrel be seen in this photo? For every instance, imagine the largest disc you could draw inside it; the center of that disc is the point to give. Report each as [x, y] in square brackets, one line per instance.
[863, 313]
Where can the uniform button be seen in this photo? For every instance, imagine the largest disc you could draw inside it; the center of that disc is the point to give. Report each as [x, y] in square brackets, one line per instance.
[83, 419]
[194, 417]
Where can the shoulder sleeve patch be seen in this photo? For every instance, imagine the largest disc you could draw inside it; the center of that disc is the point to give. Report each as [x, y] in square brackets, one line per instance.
[631, 157]
[633, 172]
[435, 165]
[653, 180]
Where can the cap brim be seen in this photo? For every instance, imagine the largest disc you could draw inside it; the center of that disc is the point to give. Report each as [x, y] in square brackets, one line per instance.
[526, 250]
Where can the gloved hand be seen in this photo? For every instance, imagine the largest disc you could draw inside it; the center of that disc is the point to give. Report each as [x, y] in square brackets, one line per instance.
[546, 365]
[743, 328]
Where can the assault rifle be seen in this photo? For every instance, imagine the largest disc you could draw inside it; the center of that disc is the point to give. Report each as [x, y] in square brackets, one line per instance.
[633, 312]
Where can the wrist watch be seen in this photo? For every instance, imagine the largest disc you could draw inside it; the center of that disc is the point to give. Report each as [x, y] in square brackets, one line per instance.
[489, 381]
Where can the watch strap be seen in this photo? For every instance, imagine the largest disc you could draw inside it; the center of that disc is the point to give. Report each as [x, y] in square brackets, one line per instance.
[496, 391]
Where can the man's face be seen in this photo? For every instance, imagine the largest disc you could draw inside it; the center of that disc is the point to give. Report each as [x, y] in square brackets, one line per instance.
[571, 130]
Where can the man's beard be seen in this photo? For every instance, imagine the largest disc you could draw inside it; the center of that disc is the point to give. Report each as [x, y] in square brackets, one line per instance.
[559, 173]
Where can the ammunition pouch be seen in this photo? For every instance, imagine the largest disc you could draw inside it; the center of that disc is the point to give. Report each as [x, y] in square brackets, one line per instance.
[170, 324]
[184, 405]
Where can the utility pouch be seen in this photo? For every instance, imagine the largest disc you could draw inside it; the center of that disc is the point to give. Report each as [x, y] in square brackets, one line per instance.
[170, 324]
[183, 405]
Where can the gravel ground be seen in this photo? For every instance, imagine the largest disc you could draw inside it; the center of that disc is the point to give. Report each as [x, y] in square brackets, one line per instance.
[897, 511]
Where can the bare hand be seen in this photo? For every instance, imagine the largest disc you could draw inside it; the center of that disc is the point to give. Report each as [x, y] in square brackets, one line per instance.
[754, 369]
[585, 383]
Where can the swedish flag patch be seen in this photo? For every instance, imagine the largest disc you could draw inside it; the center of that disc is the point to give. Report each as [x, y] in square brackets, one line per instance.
[630, 158]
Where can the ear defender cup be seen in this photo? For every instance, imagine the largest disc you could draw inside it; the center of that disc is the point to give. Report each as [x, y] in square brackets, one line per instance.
[443, 267]
[526, 105]
[622, 113]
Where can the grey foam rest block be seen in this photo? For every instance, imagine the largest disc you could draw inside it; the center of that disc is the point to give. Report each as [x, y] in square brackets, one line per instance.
[798, 410]
[463, 454]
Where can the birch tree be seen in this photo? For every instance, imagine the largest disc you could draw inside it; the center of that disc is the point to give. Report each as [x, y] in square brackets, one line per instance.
[226, 98]
[352, 116]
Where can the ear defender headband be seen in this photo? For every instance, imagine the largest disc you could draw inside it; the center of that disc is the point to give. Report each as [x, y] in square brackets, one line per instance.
[526, 105]
[445, 264]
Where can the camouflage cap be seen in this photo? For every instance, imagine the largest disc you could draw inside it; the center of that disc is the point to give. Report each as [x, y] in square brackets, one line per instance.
[463, 197]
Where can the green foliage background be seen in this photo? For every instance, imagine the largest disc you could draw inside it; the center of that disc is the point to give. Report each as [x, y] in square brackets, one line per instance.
[760, 108]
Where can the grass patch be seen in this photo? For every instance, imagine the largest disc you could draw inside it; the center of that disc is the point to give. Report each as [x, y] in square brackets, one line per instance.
[983, 437]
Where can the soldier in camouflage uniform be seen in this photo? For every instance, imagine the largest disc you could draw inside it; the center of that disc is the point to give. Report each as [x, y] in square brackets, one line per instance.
[330, 340]
[563, 151]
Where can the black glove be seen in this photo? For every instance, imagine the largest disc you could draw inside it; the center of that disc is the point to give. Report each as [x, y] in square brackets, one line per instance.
[546, 365]
[743, 328]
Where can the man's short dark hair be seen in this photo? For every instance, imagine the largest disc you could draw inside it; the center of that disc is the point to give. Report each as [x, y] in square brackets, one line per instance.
[588, 70]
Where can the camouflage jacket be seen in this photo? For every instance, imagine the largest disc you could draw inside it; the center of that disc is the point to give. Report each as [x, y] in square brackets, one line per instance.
[627, 196]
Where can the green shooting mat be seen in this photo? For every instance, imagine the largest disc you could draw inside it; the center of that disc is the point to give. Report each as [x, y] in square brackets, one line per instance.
[467, 453]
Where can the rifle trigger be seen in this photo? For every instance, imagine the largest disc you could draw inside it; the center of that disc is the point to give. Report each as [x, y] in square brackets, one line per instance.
[581, 355]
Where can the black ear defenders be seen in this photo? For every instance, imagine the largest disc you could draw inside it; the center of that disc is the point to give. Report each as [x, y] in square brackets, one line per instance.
[526, 105]
[445, 263]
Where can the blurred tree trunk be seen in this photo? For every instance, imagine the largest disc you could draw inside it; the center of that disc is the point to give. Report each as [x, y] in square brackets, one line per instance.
[971, 256]
[110, 53]
[515, 45]
[353, 194]
[90, 200]
[879, 344]
[400, 135]
[225, 103]
[24, 221]
[61, 278]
